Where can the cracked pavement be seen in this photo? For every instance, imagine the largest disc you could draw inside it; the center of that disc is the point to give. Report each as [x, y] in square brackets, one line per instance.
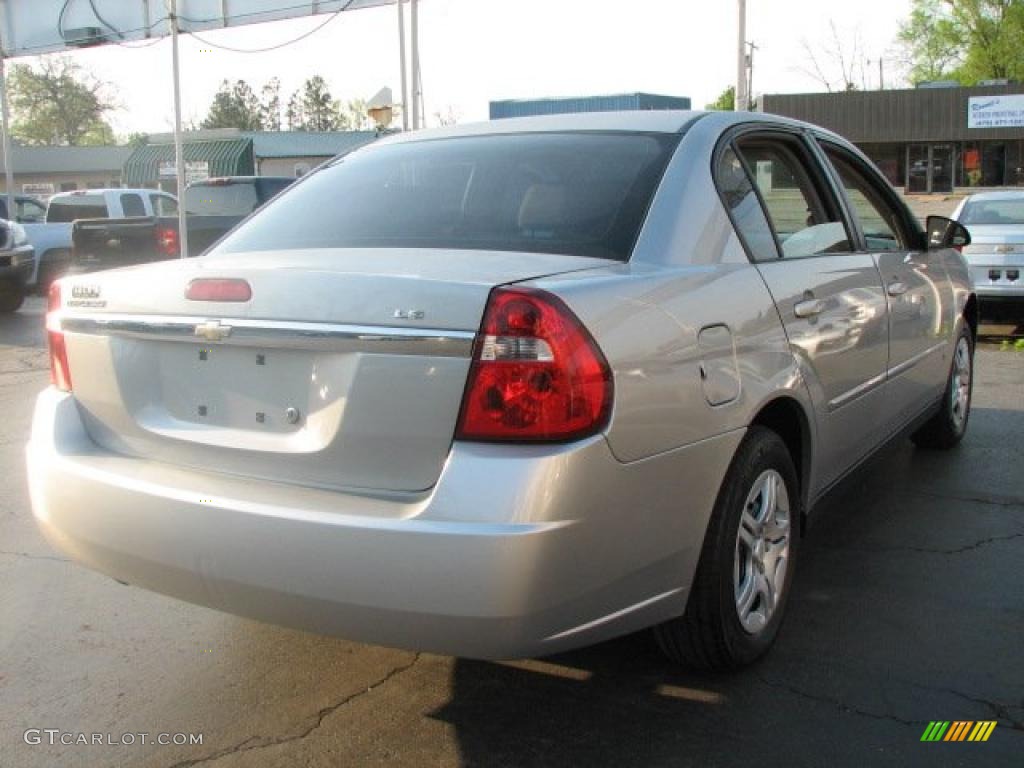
[908, 607]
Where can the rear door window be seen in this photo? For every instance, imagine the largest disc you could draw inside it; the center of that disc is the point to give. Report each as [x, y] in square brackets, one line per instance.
[804, 215]
[67, 209]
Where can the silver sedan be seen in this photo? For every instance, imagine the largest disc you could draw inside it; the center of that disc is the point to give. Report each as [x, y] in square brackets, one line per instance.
[996, 254]
[506, 389]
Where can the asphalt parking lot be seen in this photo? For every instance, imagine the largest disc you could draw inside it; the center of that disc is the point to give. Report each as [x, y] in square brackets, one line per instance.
[908, 607]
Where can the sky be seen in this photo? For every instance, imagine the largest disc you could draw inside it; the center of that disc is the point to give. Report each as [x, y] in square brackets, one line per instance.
[473, 51]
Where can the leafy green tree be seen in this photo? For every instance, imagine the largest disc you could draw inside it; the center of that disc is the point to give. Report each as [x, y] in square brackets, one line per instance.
[234, 106]
[965, 40]
[726, 100]
[56, 102]
[355, 116]
[270, 105]
[312, 108]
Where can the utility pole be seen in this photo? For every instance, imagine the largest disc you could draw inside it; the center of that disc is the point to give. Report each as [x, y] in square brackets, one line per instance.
[179, 149]
[401, 64]
[881, 74]
[742, 103]
[750, 75]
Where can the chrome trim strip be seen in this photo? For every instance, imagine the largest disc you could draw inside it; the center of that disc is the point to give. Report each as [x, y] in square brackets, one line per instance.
[874, 381]
[853, 394]
[906, 365]
[378, 339]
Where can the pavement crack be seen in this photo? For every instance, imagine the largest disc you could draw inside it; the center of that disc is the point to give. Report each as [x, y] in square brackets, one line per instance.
[956, 550]
[29, 556]
[999, 710]
[839, 705]
[254, 742]
[997, 501]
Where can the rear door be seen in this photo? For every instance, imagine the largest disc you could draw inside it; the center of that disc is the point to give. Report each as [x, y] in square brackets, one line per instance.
[918, 291]
[829, 295]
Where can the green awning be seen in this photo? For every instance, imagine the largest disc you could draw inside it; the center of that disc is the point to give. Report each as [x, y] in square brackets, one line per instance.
[222, 157]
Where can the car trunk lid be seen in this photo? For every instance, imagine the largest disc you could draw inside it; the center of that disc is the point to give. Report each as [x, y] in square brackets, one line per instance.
[345, 369]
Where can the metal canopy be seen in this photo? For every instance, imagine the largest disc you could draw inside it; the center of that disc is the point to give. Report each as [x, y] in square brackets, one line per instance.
[31, 27]
[230, 157]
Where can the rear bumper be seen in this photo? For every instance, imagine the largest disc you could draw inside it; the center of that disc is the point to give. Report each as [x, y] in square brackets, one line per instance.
[517, 551]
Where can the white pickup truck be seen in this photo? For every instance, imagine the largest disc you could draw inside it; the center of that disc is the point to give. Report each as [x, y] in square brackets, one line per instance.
[49, 228]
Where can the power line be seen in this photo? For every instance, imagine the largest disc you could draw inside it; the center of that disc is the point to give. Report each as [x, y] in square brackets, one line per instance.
[294, 40]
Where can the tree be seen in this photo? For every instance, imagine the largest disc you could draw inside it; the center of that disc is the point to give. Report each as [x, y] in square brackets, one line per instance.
[270, 105]
[726, 100]
[234, 106]
[59, 103]
[355, 116]
[836, 63]
[312, 108]
[964, 40]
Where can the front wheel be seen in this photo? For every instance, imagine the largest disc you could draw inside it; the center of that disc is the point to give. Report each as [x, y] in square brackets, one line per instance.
[11, 297]
[746, 564]
[949, 424]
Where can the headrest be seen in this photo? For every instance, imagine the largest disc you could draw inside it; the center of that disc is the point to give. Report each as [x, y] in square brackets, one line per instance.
[543, 208]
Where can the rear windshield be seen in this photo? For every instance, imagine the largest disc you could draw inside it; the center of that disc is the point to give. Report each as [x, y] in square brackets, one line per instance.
[234, 199]
[993, 212]
[65, 209]
[582, 194]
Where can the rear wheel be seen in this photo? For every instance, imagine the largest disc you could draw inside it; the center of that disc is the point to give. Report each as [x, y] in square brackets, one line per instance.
[746, 565]
[947, 427]
[11, 296]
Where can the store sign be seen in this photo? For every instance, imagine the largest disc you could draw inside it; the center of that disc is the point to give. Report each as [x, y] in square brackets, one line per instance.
[996, 111]
[38, 190]
[195, 170]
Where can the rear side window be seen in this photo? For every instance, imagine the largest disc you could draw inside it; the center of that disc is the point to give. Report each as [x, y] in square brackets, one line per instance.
[228, 199]
[574, 193]
[67, 209]
[164, 205]
[269, 187]
[132, 205]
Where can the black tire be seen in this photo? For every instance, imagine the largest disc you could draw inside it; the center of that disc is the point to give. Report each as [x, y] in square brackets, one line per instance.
[710, 634]
[11, 297]
[948, 425]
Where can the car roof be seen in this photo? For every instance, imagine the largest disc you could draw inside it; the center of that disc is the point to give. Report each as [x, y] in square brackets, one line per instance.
[639, 121]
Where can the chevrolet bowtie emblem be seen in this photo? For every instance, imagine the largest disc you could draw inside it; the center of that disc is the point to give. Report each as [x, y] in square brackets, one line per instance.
[213, 331]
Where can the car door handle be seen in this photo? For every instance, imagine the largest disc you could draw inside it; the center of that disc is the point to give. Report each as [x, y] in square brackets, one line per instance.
[809, 308]
[896, 288]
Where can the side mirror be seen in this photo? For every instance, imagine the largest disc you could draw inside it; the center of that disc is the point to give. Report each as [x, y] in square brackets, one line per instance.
[945, 233]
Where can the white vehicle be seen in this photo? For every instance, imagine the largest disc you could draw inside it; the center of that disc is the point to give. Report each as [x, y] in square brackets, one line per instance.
[51, 237]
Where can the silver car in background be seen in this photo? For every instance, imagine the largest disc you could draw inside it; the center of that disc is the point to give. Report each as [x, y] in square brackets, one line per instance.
[506, 389]
[996, 252]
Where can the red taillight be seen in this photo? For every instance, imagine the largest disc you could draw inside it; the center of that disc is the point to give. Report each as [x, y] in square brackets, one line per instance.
[218, 289]
[537, 374]
[60, 372]
[167, 241]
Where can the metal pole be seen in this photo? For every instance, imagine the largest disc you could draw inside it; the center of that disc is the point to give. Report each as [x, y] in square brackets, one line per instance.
[414, 31]
[741, 58]
[401, 62]
[12, 214]
[881, 74]
[179, 150]
[750, 75]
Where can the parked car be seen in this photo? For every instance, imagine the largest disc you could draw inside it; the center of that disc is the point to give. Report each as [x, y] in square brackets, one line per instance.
[51, 237]
[507, 389]
[212, 206]
[17, 260]
[996, 254]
